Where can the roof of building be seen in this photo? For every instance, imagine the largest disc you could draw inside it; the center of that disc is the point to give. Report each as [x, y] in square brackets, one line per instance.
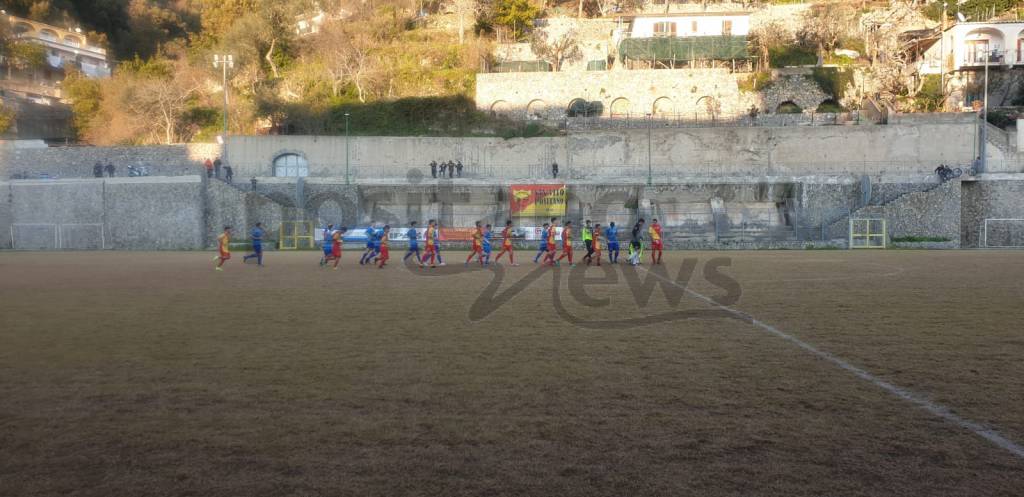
[734, 13]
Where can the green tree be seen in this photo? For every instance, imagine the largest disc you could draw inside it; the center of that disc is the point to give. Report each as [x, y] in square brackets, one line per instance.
[6, 119]
[516, 15]
[86, 96]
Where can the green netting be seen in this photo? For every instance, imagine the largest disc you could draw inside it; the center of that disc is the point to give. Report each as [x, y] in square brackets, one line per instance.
[522, 66]
[597, 65]
[685, 48]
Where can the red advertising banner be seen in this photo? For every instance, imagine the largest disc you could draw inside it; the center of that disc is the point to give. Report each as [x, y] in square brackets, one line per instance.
[537, 200]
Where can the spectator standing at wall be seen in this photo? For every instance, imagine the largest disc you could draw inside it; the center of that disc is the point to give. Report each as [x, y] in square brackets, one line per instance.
[216, 167]
[451, 169]
[229, 174]
[458, 169]
[253, 182]
[97, 170]
[209, 168]
[110, 169]
[433, 169]
[444, 167]
[554, 170]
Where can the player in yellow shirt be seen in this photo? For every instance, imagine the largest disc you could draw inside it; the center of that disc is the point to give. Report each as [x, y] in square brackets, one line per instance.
[477, 249]
[655, 232]
[223, 248]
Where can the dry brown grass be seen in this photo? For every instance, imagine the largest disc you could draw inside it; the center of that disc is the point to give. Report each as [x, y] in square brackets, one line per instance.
[148, 374]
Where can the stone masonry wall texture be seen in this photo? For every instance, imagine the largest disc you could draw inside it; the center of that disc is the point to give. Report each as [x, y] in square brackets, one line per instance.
[117, 213]
[77, 162]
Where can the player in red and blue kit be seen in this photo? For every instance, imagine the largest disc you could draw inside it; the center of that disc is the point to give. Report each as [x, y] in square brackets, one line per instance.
[477, 248]
[506, 244]
[382, 246]
[430, 245]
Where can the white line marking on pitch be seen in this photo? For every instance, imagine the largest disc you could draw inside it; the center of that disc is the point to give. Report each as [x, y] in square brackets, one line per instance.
[922, 402]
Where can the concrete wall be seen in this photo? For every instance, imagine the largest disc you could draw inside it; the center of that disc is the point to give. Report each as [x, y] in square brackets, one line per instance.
[77, 162]
[994, 196]
[118, 213]
[6, 215]
[675, 152]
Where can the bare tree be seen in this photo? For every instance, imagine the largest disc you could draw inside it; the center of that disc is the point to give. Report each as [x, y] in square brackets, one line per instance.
[464, 9]
[825, 24]
[562, 49]
[158, 104]
[768, 36]
[346, 55]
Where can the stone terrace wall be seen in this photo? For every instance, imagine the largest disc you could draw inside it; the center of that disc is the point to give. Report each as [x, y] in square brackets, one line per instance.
[1000, 196]
[548, 94]
[675, 153]
[933, 213]
[77, 162]
[116, 213]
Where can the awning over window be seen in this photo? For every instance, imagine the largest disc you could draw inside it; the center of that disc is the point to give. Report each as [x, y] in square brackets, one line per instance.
[522, 66]
[684, 48]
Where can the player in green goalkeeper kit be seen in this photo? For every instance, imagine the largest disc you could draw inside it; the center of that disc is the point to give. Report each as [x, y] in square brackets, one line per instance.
[588, 240]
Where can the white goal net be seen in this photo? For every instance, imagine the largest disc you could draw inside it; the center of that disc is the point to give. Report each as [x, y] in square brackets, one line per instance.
[1002, 233]
[45, 236]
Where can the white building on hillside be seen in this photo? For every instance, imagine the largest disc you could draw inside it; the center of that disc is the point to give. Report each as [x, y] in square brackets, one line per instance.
[65, 48]
[689, 24]
[966, 46]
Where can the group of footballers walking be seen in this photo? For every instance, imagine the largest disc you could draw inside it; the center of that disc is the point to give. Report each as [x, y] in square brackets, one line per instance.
[377, 251]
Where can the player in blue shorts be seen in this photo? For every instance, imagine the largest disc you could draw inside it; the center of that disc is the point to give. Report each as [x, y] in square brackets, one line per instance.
[543, 248]
[256, 235]
[485, 259]
[611, 234]
[437, 243]
[371, 235]
[326, 244]
[414, 244]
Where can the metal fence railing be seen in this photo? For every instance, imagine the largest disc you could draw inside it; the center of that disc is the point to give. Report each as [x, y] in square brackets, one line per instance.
[707, 120]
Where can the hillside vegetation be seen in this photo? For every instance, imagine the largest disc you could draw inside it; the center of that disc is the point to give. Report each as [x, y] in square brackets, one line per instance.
[394, 67]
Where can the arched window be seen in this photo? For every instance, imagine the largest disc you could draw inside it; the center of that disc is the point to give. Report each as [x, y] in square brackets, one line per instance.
[291, 165]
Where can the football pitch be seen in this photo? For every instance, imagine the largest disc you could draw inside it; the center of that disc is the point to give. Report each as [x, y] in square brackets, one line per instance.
[762, 373]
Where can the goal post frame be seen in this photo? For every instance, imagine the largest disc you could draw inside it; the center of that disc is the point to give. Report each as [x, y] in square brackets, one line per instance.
[984, 232]
[290, 236]
[868, 236]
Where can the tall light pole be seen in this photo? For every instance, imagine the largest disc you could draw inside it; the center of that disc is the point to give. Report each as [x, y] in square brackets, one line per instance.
[942, 52]
[346, 149]
[984, 116]
[650, 175]
[224, 62]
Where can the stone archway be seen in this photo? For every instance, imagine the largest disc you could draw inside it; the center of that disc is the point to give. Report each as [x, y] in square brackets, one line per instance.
[500, 107]
[788, 107]
[663, 107]
[708, 107]
[536, 109]
[620, 107]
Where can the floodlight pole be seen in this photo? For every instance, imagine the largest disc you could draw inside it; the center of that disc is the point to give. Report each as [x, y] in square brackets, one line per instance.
[347, 181]
[224, 62]
[984, 118]
[650, 124]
